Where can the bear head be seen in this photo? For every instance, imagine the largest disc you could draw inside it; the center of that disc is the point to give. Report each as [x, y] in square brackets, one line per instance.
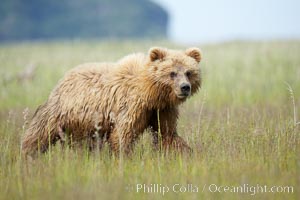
[176, 72]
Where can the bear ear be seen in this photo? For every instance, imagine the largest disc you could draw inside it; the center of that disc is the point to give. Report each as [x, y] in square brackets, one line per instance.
[195, 53]
[157, 53]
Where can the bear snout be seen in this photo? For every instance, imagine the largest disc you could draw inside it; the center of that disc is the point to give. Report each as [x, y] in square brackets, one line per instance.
[185, 89]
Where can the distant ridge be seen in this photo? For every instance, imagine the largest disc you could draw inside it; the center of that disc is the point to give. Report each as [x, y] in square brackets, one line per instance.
[35, 19]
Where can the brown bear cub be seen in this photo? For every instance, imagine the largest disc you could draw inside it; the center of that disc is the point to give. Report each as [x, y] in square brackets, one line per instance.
[116, 102]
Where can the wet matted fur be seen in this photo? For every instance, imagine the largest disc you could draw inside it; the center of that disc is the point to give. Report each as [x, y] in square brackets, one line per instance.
[117, 101]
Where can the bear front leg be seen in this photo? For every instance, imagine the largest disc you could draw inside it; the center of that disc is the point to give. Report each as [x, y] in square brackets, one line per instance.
[125, 134]
[166, 125]
[120, 141]
[175, 142]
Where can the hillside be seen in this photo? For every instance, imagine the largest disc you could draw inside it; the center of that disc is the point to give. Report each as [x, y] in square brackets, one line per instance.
[77, 19]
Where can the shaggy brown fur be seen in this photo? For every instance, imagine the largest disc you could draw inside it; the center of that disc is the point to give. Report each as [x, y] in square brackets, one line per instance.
[118, 101]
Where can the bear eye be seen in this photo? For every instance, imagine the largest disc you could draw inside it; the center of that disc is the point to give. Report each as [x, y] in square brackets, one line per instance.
[188, 73]
[173, 74]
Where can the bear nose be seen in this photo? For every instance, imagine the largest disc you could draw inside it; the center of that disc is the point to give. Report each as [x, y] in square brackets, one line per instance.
[185, 87]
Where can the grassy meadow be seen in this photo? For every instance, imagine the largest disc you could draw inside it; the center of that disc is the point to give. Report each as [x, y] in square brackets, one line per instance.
[243, 125]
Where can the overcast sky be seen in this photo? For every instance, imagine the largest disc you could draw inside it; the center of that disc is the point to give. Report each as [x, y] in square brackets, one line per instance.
[206, 21]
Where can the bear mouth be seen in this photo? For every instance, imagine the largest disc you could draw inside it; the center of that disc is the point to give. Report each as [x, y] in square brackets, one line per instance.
[183, 96]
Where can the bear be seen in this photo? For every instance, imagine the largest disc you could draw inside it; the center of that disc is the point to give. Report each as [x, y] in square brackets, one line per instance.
[116, 102]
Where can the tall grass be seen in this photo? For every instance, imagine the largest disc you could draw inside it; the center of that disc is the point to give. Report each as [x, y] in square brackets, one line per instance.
[243, 126]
